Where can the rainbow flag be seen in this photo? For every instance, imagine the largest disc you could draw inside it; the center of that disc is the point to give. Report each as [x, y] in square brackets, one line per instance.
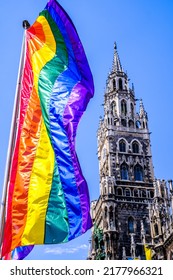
[48, 198]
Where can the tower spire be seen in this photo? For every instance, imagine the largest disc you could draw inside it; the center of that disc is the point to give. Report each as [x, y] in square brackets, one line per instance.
[142, 110]
[116, 65]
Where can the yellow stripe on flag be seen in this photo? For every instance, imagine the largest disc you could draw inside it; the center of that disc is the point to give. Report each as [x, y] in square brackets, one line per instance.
[43, 168]
[39, 190]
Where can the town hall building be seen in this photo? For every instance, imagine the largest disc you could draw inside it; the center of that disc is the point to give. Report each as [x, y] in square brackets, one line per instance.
[126, 216]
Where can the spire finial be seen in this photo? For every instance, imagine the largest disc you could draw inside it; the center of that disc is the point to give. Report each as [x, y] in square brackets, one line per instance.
[116, 66]
[115, 46]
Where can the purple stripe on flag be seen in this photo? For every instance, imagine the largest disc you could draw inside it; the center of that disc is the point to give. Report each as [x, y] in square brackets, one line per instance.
[75, 107]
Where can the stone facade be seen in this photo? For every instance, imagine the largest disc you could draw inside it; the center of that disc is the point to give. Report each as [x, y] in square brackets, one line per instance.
[121, 215]
[161, 221]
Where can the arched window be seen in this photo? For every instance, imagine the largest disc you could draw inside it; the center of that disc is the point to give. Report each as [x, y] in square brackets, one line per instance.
[124, 172]
[151, 194]
[114, 84]
[135, 147]
[119, 191]
[131, 123]
[120, 83]
[138, 124]
[123, 107]
[132, 110]
[138, 173]
[122, 146]
[130, 225]
[124, 122]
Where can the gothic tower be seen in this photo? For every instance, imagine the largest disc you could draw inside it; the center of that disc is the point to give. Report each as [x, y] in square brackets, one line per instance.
[121, 214]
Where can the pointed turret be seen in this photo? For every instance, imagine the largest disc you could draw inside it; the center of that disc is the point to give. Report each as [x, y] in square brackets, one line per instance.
[141, 109]
[116, 65]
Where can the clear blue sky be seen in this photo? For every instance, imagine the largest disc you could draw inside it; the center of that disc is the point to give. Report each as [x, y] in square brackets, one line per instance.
[143, 30]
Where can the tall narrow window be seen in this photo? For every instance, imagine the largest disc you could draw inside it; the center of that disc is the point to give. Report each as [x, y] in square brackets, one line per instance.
[124, 122]
[127, 192]
[131, 123]
[135, 147]
[138, 124]
[120, 82]
[124, 172]
[111, 215]
[122, 146]
[156, 229]
[138, 173]
[144, 193]
[114, 84]
[162, 192]
[106, 212]
[130, 225]
[119, 191]
[123, 107]
[136, 193]
[151, 194]
[113, 108]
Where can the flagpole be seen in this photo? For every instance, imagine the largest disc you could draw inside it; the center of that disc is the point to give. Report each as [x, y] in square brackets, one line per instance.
[12, 137]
